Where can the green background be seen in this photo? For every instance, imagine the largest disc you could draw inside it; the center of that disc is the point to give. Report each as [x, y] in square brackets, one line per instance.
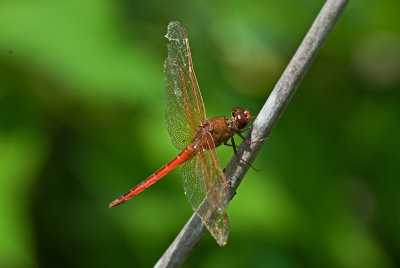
[82, 121]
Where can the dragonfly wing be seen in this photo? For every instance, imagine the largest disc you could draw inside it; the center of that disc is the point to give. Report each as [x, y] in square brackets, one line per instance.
[206, 188]
[184, 108]
[204, 182]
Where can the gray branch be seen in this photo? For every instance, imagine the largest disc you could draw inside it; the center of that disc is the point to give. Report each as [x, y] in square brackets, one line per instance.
[273, 108]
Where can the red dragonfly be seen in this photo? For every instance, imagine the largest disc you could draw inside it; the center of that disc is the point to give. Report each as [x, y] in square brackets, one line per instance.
[203, 179]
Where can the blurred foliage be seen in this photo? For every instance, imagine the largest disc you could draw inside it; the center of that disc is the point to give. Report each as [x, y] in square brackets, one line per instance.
[82, 121]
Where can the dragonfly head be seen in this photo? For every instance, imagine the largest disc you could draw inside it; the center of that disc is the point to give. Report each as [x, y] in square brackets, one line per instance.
[242, 117]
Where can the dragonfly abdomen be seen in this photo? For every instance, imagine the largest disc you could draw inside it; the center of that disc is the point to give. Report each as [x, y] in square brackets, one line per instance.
[181, 158]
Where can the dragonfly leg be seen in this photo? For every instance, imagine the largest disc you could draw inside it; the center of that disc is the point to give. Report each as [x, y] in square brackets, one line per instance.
[246, 140]
[233, 145]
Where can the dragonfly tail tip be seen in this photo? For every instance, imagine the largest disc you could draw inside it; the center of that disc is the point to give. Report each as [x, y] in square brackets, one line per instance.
[114, 203]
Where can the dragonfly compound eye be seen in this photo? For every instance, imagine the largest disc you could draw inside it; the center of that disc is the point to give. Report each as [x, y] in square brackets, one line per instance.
[242, 117]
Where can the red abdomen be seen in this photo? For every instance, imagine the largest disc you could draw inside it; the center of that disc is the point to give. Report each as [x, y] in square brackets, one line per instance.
[181, 158]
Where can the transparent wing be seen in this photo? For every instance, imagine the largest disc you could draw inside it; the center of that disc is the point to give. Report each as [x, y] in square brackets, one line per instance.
[184, 108]
[206, 188]
[204, 182]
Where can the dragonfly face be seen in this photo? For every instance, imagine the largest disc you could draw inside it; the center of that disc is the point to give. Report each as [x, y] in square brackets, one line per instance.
[242, 117]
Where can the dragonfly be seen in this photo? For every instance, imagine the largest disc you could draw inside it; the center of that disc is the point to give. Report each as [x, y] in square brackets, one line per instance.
[204, 182]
